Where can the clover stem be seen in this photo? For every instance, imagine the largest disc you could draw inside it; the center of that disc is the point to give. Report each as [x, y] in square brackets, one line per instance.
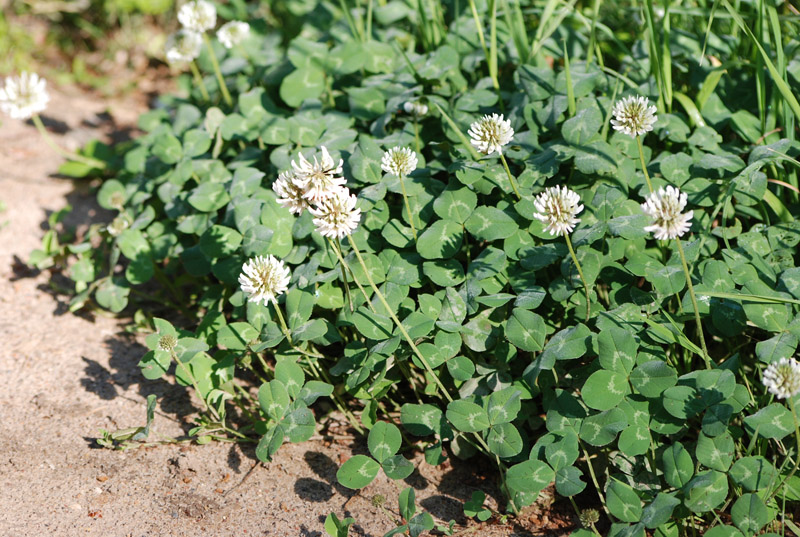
[416, 134]
[644, 166]
[283, 322]
[408, 208]
[345, 283]
[222, 87]
[580, 273]
[578, 512]
[397, 321]
[198, 79]
[797, 453]
[706, 356]
[196, 387]
[94, 163]
[321, 374]
[504, 483]
[510, 177]
[594, 478]
[337, 247]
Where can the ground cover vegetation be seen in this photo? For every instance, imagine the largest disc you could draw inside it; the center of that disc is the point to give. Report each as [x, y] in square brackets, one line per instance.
[557, 235]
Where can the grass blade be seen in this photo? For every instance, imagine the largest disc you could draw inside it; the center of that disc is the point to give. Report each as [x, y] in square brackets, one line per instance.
[759, 299]
[460, 134]
[782, 86]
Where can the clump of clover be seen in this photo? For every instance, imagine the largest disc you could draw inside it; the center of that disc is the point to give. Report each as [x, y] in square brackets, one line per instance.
[456, 244]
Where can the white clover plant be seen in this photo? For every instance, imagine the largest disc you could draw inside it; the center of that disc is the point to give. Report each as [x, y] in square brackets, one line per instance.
[439, 226]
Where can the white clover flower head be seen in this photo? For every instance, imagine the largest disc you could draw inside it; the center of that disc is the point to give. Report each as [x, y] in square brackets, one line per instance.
[232, 33]
[491, 133]
[289, 194]
[337, 216]
[263, 279]
[321, 179]
[634, 116]
[399, 161]
[183, 46]
[415, 108]
[198, 15]
[782, 378]
[664, 206]
[558, 207]
[24, 96]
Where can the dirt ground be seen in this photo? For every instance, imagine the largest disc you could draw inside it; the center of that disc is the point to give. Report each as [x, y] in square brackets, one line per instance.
[66, 376]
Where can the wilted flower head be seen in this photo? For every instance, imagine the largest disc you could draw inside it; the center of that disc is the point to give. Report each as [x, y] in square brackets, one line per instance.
[337, 216]
[399, 161]
[782, 378]
[24, 95]
[264, 278]
[321, 179]
[183, 46]
[491, 133]
[665, 206]
[198, 15]
[289, 194]
[634, 116]
[232, 33]
[119, 224]
[557, 207]
[415, 108]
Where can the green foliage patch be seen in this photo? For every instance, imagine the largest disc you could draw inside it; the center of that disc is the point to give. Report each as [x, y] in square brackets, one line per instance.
[455, 322]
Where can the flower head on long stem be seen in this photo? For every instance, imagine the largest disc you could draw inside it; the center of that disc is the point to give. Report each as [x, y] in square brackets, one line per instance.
[320, 179]
[491, 133]
[558, 207]
[664, 206]
[782, 378]
[183, 46]
[233, 33]
[198, 16]
[24, 96]
[337, 216]
[634, 116]
[263, 279]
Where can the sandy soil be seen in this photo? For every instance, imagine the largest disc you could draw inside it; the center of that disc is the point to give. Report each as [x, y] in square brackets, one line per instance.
[65, 376]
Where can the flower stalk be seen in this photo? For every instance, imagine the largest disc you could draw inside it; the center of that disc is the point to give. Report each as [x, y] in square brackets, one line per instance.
[215, 63]
[397, 321]
[692, 295]
[644, 164]
[510, 177]
[198, 79]
[94, 163]
[580, 274]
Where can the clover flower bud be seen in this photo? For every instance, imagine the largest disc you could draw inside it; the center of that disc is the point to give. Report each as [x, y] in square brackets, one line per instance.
[589, 517]
[167, 342]
[415, 108]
